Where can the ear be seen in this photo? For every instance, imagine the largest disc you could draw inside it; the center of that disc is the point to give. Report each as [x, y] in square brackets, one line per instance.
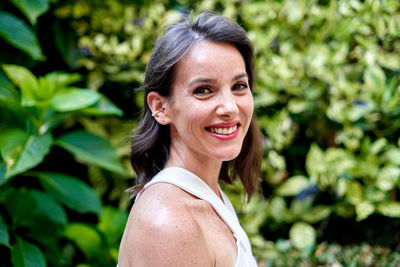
[158, 105]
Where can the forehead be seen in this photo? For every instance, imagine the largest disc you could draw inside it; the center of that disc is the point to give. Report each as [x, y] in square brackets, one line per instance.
[210, 60]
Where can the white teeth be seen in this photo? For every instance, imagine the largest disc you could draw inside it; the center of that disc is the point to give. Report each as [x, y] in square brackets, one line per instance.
[224, 131]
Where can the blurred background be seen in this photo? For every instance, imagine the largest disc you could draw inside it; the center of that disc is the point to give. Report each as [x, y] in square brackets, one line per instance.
[327, 100]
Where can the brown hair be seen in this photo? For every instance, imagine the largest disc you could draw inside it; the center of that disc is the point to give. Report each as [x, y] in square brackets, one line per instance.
[151, 141]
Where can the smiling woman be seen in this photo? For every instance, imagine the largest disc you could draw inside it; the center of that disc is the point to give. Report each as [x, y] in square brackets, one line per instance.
[196, 129]
[209, 99]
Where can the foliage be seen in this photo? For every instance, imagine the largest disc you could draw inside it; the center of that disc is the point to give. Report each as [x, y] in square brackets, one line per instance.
[117, 46]
[38, 203]
[282, 253]
[30, 114]
[327, 100]
[328, 77]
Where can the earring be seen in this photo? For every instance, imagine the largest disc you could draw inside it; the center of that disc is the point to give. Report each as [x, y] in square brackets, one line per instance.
[158, 111]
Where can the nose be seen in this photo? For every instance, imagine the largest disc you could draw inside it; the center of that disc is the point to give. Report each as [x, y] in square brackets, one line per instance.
[227, 106]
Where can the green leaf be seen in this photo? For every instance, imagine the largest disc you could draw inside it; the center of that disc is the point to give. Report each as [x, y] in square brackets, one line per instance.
[388, 177]
[21, 206]
[317, 213]
[4, 237]
[26, 81]
[25, 254]
[344, 210]
[374, 195]
[92, 149]
[7, 91]
[11, 142]
[296, 105]
[292, 186]
[32, 8]
[299, 207]
[278, 208]
[375, 78]
[378, 145]
[265, 98]
[363, 210]
[392, 156]
[66, 43]
[354, 192]
[46, 92]
[302, 235]
[389, 209]
[280, 129]
[14, 31]
[20, 75]
[314, 161]
[63, 79]
[341, 186]
[389, 60]
[86, 238]
[69, 100]
[3, 170]
[102, 107]
[23, 152]
[49, 208]
[70, 191]
[112, 223]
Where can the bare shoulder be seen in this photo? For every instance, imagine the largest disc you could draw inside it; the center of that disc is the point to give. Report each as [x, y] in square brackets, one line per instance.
[162, 231]
[164, 205]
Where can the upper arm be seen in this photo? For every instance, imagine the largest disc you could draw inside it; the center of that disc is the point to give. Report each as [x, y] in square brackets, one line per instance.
[165, 236]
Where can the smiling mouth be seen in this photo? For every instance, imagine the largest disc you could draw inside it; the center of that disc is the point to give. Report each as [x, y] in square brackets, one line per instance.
[223, 130]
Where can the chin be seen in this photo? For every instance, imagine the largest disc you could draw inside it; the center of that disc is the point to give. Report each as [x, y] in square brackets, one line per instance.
[229, 155]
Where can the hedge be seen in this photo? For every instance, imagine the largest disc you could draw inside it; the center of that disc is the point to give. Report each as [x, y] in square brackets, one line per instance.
[327, 100]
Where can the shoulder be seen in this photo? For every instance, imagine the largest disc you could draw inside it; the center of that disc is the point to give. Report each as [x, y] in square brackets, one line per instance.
[161, 229]
[165, 208]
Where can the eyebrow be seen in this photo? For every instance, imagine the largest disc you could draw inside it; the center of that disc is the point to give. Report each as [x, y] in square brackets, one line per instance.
[239, 76]
[201, 80]
[207, 80]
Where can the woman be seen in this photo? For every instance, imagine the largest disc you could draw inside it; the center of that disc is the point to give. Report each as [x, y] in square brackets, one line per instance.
[196, 129]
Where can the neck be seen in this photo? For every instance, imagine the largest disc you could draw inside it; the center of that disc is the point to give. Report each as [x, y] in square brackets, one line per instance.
[205, 168]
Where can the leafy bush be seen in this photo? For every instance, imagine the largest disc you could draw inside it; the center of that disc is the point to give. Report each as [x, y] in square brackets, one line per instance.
[328, 77]
[116, 47]
[282, 253]
[37, 202]
[327, 101]
[30, 115]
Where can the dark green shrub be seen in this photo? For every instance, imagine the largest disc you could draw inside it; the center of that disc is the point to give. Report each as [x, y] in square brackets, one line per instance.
[42, 207]
[327, 101]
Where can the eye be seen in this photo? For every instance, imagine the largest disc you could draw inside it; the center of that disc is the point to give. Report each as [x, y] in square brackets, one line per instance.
[202, 91]
[240, 86]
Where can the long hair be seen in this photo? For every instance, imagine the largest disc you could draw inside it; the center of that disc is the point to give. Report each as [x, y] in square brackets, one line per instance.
[151, 141]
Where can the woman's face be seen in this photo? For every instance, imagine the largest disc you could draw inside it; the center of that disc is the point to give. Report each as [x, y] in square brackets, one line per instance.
[211, 104]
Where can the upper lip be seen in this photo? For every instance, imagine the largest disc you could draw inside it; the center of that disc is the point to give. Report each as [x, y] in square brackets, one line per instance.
[224, 124]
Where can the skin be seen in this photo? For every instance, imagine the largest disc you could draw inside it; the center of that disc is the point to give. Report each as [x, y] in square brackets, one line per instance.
[168, 226]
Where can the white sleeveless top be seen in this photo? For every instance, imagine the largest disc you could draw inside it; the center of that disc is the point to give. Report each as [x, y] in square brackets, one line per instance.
[194, 185]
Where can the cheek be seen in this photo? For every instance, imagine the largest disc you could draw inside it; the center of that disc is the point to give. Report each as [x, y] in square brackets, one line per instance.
[187, 115]
[248, 106]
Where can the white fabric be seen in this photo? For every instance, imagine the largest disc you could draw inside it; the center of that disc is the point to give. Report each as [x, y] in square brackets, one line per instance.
[197, 187]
